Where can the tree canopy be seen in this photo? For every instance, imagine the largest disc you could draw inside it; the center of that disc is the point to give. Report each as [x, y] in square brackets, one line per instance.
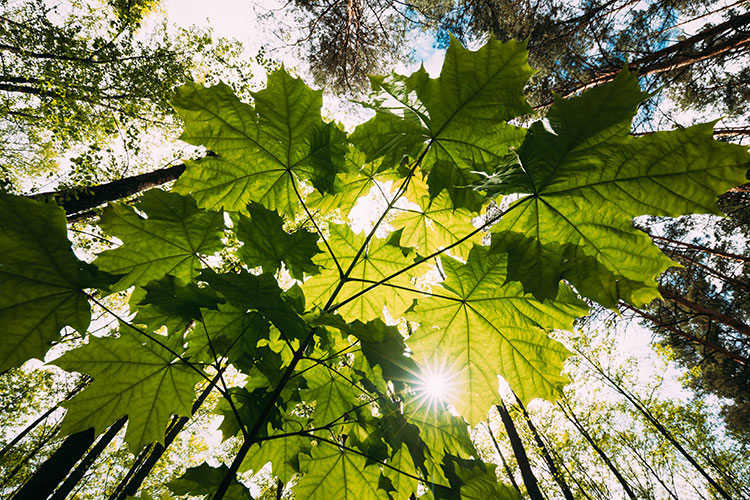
[247, 267]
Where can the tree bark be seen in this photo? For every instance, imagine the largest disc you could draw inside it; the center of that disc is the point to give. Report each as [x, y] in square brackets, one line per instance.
[57, 467]
[78, 203]
[574, 420]
[673, 57]
[502, 459]
[718, 132]
[700, 248]
[532, 486]
[72, 480]
[703, 310]
[688, 336]
[556, 474]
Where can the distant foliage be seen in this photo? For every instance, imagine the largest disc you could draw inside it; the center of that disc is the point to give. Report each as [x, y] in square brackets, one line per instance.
[334, 390]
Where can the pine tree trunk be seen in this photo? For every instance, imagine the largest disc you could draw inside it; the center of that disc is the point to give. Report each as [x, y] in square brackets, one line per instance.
[700, 248]
[502, 459]
[678, 55]
[529, 480]
[688, 336]
[706, 311]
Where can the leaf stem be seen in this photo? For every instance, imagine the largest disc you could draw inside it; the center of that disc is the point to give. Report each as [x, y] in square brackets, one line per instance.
[155, 340]
[252, 436]
[418, 262]
[401, 190]
[407, 289]
[315, 225]
[357, 452]
[217, 365]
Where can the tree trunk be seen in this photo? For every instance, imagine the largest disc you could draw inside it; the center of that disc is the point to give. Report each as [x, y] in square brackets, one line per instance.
[645, 463]
[703, 310]
[143, 466]
[568, 412]
[582, 488]
[682, 258]
[30, 456]
[39, 420]
[502, 459]
[78, 203]
[674, 56]
[688, 336]
[72, 480]
[700, 248]
[556, 474]
[57, 467]
[532, 487]
[659, 427]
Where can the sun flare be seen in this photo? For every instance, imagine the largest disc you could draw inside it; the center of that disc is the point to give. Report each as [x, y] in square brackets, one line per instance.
[437, 384]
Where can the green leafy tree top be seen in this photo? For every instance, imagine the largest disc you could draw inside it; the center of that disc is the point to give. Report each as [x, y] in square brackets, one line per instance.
[333, 393]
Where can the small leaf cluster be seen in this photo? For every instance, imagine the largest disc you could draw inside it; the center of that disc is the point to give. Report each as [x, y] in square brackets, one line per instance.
[333, 390]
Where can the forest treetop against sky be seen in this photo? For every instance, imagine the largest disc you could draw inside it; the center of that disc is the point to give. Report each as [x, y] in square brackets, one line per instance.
[489, 316]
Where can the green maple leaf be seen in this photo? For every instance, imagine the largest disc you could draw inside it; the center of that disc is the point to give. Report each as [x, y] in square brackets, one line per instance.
[378, 261]
[205, 480]
[170, 241]
[332, 474]
[144, 382]
[266, 244]
[404, 486]
[461, 116]
[282, 452]
[474, 480]
[383, 346]
[262, 152]
[172, 303]
[351, 185]
[333, 394]
[249, 407]
[435, 224]
[442, 432]
[262, 293]
[41, 281]
[228, 331]
[587, 178]
[477, 327]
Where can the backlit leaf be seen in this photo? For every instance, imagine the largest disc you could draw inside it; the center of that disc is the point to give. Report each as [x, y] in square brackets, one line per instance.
[205, 480]
[262, 152]
[588, 178]
[170, 241]
[143, 381]
[266, 244]
[477, 327]
[378, 261]
[328, 466]
[41, 281]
